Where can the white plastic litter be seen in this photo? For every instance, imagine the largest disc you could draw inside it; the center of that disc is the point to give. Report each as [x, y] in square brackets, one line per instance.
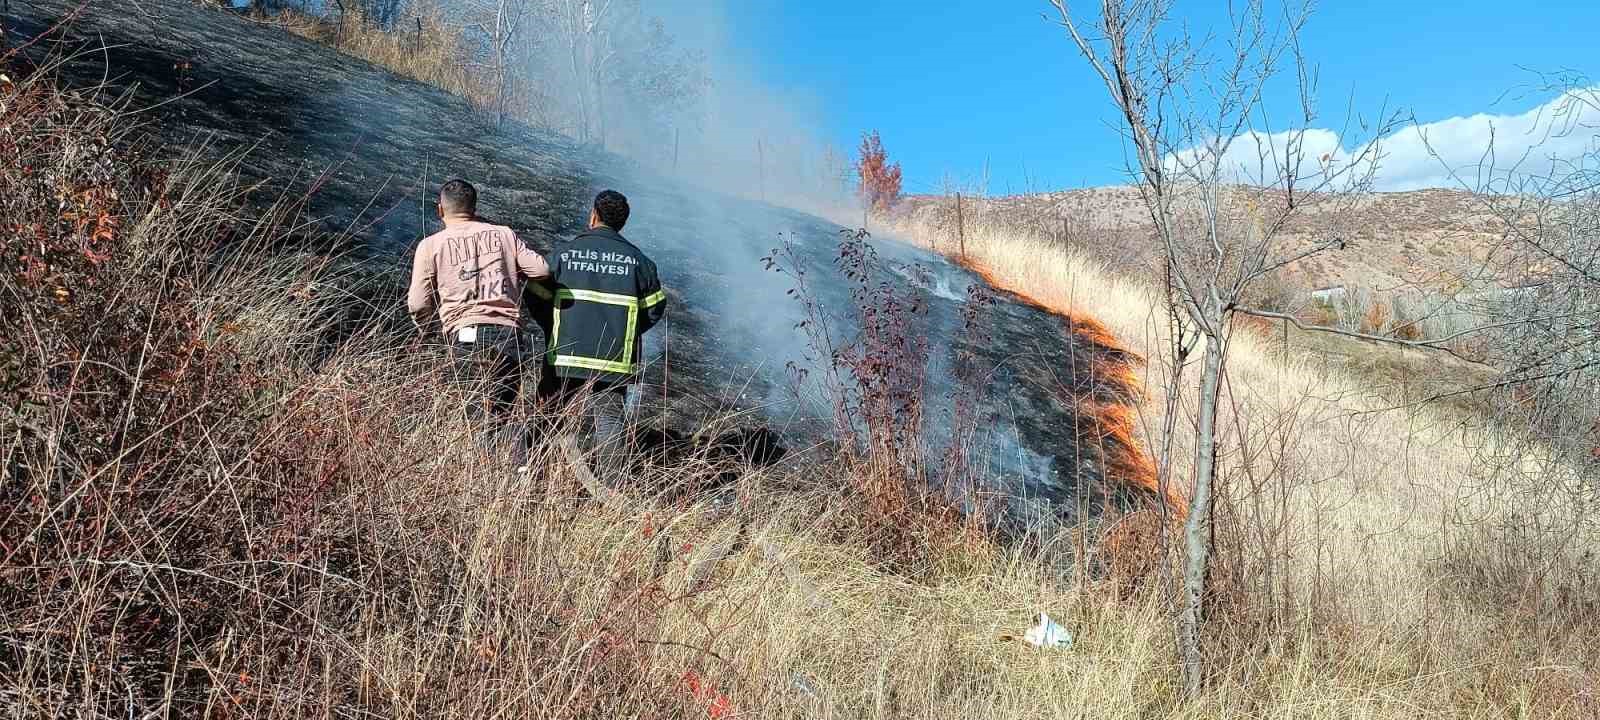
[1047, 633]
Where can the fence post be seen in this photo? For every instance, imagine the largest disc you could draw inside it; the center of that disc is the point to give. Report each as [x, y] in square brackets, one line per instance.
[419, 34]
[961, 227]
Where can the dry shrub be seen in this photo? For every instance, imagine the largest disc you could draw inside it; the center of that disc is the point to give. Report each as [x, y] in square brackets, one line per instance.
[1320, 314]
[1135, 549]
[1408, 331]
[1254, 579]
[124, 424]
[1376, 319]
[875, 378]
[1259, 326]
[1277, 292]
[1526, 564]
[1531, 585]
[197, 527]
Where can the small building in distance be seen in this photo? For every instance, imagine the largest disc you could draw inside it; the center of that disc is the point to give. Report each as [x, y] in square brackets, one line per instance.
[1329, 295]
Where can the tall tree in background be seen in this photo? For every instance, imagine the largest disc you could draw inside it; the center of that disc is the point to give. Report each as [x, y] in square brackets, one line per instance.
[880, 179]
[615, 55]
[586, 30]
[654, 84]
[502, 25]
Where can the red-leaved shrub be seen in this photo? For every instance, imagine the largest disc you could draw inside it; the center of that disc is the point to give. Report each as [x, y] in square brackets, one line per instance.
[880, 179]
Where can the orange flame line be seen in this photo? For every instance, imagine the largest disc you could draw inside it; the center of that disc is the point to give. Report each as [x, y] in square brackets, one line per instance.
[1125, 457]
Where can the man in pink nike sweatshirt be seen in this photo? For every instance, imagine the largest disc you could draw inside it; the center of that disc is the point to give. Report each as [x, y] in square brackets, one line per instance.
[471, 275]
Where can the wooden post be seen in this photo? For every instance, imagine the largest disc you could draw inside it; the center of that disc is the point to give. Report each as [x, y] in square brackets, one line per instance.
[961, 227]
[1066, 234]
[423, 227]
[419, 34]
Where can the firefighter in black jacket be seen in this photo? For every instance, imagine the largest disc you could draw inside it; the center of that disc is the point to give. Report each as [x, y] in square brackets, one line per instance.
[602, 296]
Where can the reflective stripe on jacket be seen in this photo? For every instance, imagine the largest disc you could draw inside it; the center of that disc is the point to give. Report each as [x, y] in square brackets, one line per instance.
[603, 294]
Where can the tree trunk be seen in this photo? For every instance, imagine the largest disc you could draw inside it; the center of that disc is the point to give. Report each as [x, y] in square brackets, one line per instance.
[580, 81]
[1197, 529]
[500, 97]
[500, 41]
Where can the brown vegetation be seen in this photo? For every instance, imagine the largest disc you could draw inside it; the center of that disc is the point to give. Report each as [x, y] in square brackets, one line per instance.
[225, 498]
[880, 179]
[221, 500]
[435, 52]
[1455, 226]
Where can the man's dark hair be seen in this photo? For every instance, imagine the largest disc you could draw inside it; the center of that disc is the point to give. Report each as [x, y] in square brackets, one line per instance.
[612, 208]
[459, 197]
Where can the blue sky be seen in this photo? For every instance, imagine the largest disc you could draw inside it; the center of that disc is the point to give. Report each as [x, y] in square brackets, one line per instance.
[955, 85]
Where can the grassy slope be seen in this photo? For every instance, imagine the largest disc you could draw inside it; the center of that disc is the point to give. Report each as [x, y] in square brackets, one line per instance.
[511, 603]
[1412, 521]
[1396, 239]
[1388, 528]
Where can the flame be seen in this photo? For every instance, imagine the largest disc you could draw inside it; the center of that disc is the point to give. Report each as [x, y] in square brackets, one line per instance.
[1115, 425]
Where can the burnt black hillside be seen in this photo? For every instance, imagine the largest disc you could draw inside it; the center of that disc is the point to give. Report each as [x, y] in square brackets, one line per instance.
[375, 146]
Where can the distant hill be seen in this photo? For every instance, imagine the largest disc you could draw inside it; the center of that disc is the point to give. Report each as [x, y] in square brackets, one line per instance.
[1420, 237]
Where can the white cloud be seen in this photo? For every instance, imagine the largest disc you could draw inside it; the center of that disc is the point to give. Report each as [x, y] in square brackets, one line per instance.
[1453, 153]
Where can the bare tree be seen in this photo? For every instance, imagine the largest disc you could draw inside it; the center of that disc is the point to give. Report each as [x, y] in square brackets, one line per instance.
[503, 25]
[1546, 329]
[616, 56]
[587, 29]
[1220, 186]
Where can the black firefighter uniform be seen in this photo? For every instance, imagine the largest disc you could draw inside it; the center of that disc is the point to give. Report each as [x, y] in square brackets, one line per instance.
[602, 296]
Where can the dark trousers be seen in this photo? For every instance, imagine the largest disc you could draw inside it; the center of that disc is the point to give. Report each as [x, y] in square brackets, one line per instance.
[489, 370]
[600, 414]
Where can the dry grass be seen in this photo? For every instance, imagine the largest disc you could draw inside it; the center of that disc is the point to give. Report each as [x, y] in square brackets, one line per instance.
[1423, 238]
[1388, 522]
[303, 530]
[432, 45]
[427, 49]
